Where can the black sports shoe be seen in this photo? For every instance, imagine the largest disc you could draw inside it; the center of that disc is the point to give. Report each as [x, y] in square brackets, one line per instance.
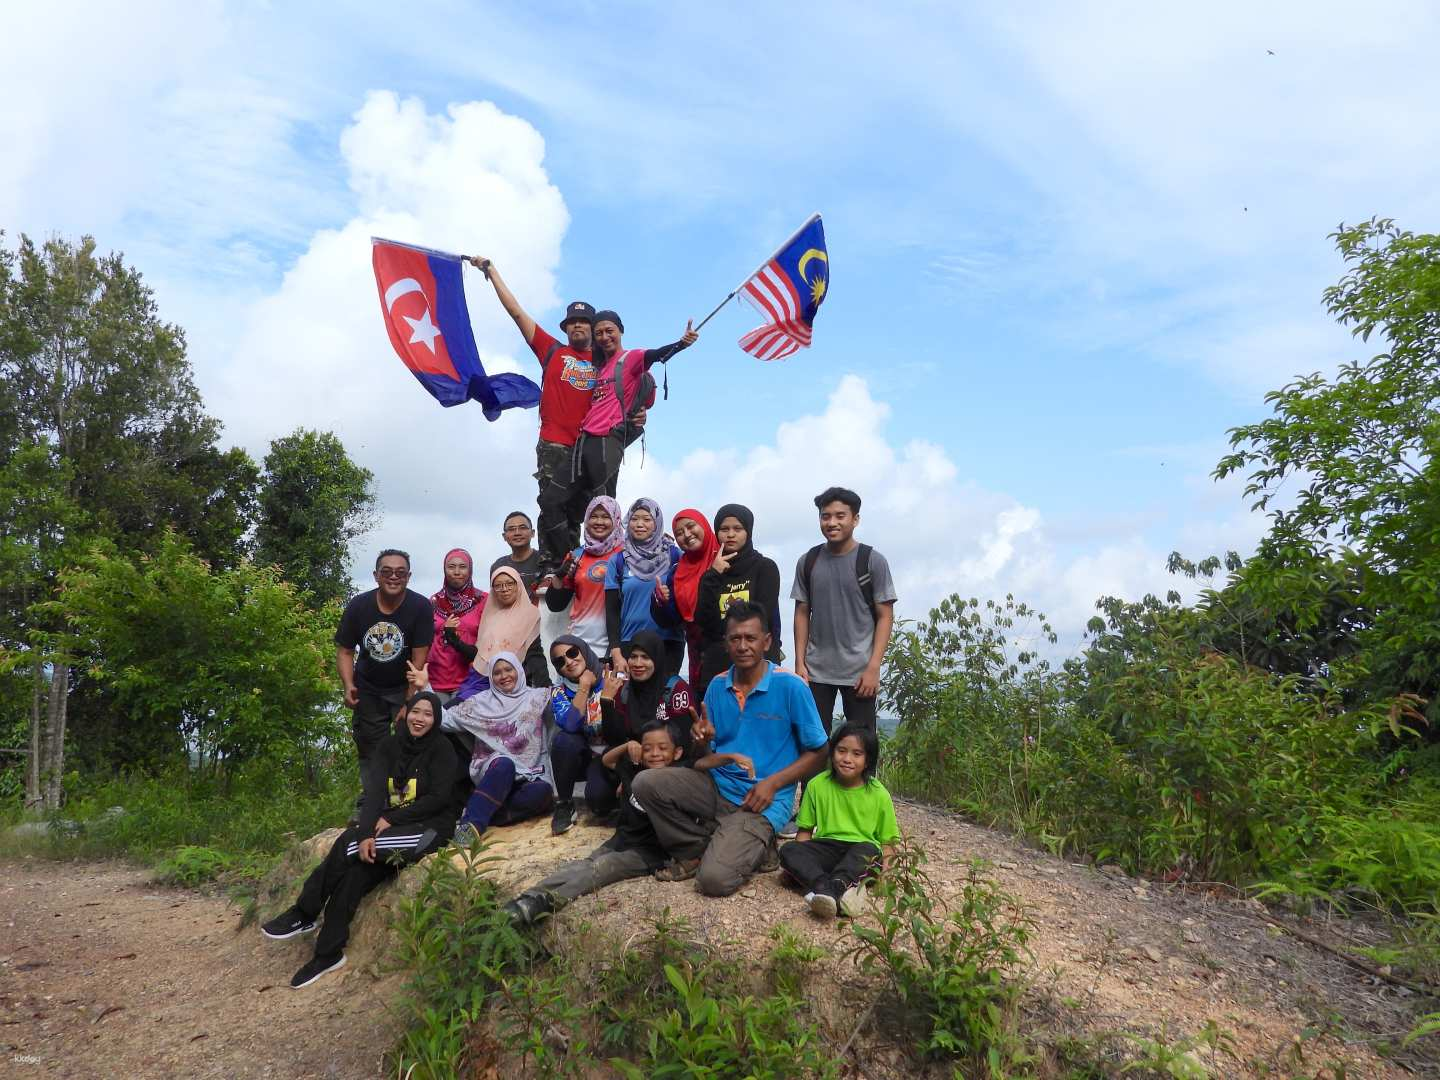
[563, 819]
[314, 969]
[528, 907]
[286, 925]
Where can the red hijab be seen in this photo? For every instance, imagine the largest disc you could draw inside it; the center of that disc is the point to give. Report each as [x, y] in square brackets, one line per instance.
[692, 565]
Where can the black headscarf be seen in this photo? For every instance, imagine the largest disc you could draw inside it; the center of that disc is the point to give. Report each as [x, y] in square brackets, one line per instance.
[642, 699]
[744, 561]
[412, 747]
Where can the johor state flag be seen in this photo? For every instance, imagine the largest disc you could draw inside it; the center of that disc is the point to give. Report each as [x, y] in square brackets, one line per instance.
[787, 291]
[422, 297]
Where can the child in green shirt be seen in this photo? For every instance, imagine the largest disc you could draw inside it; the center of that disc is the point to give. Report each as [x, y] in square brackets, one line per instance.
[845, 818]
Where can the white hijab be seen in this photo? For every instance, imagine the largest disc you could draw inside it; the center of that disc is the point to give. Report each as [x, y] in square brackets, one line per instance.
[510, 725]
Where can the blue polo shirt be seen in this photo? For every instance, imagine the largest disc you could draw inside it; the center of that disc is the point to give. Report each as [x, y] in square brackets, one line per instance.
[774, 724]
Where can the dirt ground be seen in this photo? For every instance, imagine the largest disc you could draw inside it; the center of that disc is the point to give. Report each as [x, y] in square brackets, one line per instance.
[104, 974]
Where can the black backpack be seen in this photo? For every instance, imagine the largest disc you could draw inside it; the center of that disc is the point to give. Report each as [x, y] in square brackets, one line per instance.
[863, 577]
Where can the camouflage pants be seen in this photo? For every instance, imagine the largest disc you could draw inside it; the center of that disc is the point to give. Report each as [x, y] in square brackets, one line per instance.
[562, 503]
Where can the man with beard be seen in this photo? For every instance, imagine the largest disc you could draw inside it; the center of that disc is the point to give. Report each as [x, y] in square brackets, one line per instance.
[567, 387]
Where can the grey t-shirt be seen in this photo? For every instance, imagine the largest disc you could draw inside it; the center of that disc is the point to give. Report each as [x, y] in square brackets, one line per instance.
[842, 627]
[529, 570]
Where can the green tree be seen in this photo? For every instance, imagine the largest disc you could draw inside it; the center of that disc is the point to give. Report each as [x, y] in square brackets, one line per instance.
[1361, 446]
[232, 662]
[313, 502]
[102, 434]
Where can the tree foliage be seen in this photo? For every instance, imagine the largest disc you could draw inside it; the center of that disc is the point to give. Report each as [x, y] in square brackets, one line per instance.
[231, 662]
[314, 501]
[1361, 449]
[102, 436]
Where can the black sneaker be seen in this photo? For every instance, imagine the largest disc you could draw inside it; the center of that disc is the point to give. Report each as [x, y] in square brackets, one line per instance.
[527, 908]
[314, 969]
[563, 819]
[286, 925]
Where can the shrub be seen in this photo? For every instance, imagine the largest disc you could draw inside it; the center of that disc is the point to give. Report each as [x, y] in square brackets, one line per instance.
[955, 972]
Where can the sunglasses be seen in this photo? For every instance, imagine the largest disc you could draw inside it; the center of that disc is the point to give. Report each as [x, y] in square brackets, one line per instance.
[561, 659]
[389, 573]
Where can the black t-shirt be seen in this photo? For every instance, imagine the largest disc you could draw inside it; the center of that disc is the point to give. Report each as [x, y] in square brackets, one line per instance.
[384, 640]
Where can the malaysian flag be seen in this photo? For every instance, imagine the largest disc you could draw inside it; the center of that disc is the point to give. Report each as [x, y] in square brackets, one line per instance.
[787, 292]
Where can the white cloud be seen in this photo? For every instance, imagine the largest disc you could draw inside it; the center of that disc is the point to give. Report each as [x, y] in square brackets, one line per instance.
[314, 353]
[941, 531]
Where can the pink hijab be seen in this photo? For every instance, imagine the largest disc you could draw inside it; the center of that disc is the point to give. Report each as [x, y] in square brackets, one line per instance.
[513, 629]
[450, 601]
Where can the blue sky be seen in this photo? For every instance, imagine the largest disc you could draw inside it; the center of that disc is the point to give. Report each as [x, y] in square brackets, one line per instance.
[1070, 246]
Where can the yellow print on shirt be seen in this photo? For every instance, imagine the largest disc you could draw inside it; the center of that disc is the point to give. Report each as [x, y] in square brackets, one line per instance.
[401, 797]
[731, 593]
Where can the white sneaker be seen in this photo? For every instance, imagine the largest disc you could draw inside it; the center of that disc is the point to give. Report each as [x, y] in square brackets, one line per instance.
[808, 897]
[822, 904]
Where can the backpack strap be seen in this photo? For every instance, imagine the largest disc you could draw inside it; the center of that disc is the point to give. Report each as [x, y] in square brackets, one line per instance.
[863, 576]
[807, 568]
[550, 354]
[632, 409]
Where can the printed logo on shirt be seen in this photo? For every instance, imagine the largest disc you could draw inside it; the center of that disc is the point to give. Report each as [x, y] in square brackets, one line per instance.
[384, 642]
[637, 806]
[596, 573]
[399, 797]
[679, 702]
[592, 718]
[578, 373]
[733, 593]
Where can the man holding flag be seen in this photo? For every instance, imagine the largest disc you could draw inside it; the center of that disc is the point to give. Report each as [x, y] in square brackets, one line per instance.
[624, 390]
[567, 387]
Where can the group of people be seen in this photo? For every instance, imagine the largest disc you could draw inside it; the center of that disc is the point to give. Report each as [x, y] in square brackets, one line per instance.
[664, 704]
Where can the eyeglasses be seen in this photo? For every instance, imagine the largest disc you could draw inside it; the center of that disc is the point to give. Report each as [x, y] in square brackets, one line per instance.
[565, 657]
[387, 572]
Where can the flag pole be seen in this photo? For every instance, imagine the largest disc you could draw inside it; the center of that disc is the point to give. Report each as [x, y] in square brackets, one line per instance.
[762, 266]
[718, 306]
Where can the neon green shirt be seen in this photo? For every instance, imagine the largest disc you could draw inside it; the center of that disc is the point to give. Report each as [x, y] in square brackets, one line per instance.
[861, 814]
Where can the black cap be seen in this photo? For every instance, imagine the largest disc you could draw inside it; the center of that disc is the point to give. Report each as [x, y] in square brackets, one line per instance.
[609, 316]
[578, 309]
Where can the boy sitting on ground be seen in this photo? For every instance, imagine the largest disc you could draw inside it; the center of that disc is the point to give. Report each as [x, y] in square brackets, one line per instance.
[632, 852]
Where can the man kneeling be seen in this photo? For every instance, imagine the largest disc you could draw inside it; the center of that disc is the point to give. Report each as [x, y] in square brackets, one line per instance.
[632, 852]
[718, 821]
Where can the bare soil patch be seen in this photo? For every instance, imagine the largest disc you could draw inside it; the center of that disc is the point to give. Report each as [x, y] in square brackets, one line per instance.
[103, 973]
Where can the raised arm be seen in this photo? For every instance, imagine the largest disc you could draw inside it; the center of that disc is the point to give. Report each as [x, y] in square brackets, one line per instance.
[507, 298]
[665, 352]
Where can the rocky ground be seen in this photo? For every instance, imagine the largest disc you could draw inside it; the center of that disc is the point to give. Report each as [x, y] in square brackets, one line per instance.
[105, 974]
